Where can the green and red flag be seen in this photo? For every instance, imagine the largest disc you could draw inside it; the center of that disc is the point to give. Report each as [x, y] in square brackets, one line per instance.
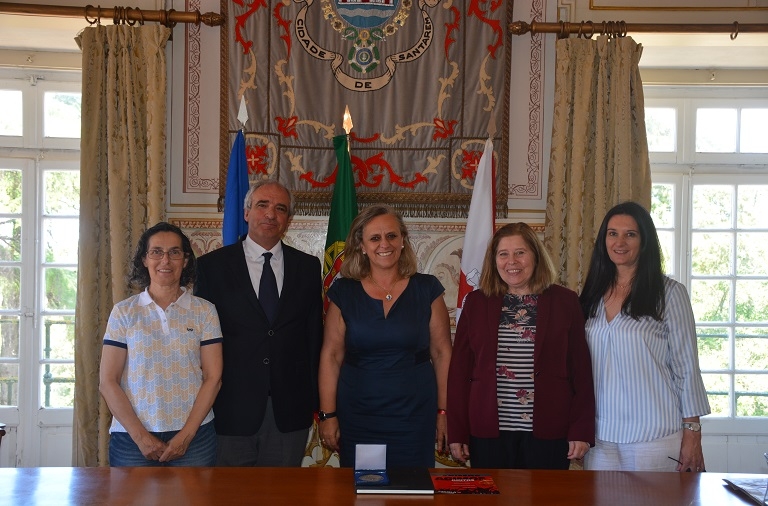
[343, 211]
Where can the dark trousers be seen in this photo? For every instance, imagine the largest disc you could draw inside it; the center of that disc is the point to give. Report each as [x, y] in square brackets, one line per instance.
[518, 450]
[267, 448]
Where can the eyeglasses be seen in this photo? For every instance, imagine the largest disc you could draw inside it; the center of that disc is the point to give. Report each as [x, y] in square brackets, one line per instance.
[173, 254]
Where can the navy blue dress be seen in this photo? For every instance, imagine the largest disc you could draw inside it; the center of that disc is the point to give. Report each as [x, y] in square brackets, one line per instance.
[387, 392]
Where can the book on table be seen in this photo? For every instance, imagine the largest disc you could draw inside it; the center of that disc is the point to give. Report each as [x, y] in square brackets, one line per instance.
[755, 489]
[372, 476]
[451, 483]
[400, 480]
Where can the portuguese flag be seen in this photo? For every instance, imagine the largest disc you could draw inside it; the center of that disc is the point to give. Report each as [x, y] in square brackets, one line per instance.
[343, 211]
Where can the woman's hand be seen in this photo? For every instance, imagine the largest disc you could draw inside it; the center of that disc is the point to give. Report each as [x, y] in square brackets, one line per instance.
[331, 358]
[577, 450]
[459, 452]
[151, 447]
[441, 433]
[177, 446]
[329, 433]
[691, 456]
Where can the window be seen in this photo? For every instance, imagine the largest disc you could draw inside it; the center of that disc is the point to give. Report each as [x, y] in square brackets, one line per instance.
[58, 266]
[11, 121]
[709, 157]
[661, 127]
[39, 229]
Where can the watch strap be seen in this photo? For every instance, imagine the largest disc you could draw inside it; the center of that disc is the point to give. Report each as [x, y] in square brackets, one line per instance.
[323, 416]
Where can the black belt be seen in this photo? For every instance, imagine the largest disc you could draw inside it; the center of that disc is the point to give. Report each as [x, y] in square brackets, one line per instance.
[419, 357]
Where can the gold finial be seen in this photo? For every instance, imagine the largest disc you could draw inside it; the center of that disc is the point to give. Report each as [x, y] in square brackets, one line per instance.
[347, 120]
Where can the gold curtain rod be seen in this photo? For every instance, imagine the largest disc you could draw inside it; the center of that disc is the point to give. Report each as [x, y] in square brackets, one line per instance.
[620, 28]
[129, 15]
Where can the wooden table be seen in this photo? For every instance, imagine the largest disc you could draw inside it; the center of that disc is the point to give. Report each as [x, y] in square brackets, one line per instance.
[333, 487]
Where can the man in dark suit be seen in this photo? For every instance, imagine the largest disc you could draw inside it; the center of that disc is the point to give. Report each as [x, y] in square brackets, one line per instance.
[269, 384]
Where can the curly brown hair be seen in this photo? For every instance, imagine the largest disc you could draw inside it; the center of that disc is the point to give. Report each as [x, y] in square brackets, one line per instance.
[138, 275]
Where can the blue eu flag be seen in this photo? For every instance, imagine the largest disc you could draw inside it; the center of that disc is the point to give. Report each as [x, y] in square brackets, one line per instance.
[234, 224]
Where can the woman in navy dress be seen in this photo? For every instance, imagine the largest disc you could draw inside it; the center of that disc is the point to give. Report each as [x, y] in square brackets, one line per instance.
[386, 349]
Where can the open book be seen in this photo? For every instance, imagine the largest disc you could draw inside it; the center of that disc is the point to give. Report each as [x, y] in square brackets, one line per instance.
[753, 488]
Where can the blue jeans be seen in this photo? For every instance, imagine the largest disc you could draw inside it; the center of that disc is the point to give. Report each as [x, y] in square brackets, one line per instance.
[201, 452]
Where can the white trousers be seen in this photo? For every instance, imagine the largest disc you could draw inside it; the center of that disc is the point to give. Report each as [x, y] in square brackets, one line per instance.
[644, 456]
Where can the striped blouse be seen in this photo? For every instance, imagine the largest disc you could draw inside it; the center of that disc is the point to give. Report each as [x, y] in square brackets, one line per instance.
[646, 372]
[514, 362]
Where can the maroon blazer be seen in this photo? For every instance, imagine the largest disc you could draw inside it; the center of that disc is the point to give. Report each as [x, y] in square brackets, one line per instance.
[564, 406]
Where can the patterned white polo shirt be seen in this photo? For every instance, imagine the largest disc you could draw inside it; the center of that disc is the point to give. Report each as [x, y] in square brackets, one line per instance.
[163, 372]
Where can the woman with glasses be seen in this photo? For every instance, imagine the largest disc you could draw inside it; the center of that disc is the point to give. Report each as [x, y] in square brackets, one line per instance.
[162, 359]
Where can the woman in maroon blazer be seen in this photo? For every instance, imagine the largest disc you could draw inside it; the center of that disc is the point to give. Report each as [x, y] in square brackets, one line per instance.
[519, 333]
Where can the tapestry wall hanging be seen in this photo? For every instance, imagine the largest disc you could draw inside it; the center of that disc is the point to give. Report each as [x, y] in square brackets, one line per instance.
[423, 81]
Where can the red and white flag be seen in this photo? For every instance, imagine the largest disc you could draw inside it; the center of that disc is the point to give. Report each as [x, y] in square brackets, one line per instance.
[480, 227]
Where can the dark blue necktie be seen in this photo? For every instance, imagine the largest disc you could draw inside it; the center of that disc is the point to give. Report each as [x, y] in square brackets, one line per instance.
[268, 295]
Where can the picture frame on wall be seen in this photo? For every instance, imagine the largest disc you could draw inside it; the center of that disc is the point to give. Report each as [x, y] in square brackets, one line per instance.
[699, 5]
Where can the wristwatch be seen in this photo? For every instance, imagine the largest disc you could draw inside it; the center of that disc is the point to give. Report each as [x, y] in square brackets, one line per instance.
[694, 426]
[323, 416]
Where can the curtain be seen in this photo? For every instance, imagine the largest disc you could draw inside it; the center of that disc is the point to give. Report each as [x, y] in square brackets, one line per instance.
[122, 190]
[599, 154]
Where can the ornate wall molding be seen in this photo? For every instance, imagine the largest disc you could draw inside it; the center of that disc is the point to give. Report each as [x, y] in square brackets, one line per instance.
[533, 187]
[438, 246]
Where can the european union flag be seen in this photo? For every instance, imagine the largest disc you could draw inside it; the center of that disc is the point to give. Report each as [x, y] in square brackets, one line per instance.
[234, 225]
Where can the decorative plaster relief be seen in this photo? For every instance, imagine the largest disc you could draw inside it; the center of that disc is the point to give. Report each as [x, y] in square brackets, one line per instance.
[438, 246]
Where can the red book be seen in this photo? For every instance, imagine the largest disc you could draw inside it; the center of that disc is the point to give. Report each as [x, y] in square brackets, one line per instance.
[464, 484]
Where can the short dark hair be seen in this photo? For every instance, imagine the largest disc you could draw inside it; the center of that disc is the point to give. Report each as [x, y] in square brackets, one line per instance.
[138, 277]
[543, 273]
[266, 182]
[646, 297]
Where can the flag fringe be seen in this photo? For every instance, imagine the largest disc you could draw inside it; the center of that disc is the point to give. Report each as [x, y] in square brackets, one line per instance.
[437, 207]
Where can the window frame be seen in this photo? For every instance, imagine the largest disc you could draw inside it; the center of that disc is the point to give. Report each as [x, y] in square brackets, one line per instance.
[34, 154]
[685, 169]
[55, 142]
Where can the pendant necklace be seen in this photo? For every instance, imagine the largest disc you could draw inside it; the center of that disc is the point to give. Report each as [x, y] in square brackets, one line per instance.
[389, 292]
